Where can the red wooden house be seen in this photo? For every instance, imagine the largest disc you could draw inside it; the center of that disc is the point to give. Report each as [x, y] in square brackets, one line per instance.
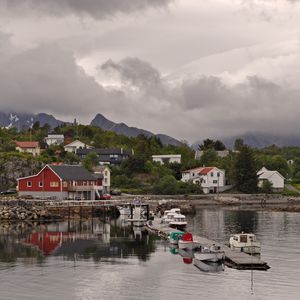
[61, 182]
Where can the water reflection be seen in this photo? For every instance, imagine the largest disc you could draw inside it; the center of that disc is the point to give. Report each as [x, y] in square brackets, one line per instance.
[71, 240]
[110, 260]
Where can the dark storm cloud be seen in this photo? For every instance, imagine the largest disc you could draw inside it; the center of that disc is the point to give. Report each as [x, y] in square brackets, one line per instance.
[135, 72]
[96, 9]
[47, 78]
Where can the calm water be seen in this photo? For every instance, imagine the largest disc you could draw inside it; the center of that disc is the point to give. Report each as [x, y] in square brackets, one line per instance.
[108, 260]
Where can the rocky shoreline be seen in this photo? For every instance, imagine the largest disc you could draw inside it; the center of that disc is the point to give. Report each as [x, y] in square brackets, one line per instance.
[26, 213]
[12, 209]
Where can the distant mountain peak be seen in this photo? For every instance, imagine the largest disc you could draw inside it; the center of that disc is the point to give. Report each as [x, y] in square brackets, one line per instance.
[24, 120]
[122, 128]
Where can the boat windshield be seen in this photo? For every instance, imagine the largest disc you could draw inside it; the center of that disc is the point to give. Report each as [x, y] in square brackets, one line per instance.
[243, 238]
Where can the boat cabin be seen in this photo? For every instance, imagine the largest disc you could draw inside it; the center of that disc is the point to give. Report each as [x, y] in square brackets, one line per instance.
[244, 238]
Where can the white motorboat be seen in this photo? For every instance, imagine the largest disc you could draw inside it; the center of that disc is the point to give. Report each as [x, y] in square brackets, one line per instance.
[169, 217]
[210, 254]
[245, 242]
[178, 221]
[206, 266]
[175, 210]
[187, 242]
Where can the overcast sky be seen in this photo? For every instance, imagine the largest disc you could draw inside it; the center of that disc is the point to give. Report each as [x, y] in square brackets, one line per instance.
[188, 68]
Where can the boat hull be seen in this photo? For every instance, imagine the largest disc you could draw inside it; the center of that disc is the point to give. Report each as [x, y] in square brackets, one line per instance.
[188, 245]
[210, 256]
[247, 249]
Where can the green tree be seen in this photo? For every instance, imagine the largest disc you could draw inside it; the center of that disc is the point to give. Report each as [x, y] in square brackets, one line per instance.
[133, 164]
[266, 187]
[238, 144]
[245, 171]
[90, 161]
[209, 157]
[166, 186]
[211, 144]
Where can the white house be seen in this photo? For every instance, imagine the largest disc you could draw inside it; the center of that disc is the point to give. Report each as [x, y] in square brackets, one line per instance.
[104, 173]
[167, 158]
[274, 177]
[189, 175]
[54, 139]
[30, 147]
[211, 179]
[75, 145]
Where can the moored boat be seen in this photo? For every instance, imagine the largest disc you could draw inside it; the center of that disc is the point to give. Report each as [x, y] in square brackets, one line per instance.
[245, 242]
[187, 242]
[210, 254]
[178, 221]
[175, 236]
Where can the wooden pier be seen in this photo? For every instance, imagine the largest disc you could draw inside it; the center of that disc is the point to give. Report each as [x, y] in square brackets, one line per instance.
[233, 259]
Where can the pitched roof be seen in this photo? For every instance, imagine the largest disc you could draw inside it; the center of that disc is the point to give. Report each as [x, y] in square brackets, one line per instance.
[194, 169]
[267, 174]
[74, 143]
[28, 144]
[205, 170]
[99, 169]
[70, 172]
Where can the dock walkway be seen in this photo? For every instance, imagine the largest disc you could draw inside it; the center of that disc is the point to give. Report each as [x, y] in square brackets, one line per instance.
[233, 259]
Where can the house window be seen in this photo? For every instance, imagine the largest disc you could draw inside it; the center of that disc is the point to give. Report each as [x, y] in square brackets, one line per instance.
[29, 184]
[40, 183]
[212, 174]
[54, 184]
[218, 174]
[65, 184]
[215, 181]
[105, 180]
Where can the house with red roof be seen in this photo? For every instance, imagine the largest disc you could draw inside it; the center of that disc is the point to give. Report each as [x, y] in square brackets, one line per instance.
[61, 182]
[211, 179]
[31, 147]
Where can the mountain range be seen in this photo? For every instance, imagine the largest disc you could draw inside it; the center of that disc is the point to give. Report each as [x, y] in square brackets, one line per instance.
[24, 121]
[259, 140]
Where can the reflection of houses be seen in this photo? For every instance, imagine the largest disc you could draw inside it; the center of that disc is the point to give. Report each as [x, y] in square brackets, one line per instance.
[55, 243]
[75, 145]
[61, 182]
[167, 158]
[109, 156]
[274, 177]
[54, 139]
[46, 242]
[103, 172]
[28, 147]
[211, 179]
